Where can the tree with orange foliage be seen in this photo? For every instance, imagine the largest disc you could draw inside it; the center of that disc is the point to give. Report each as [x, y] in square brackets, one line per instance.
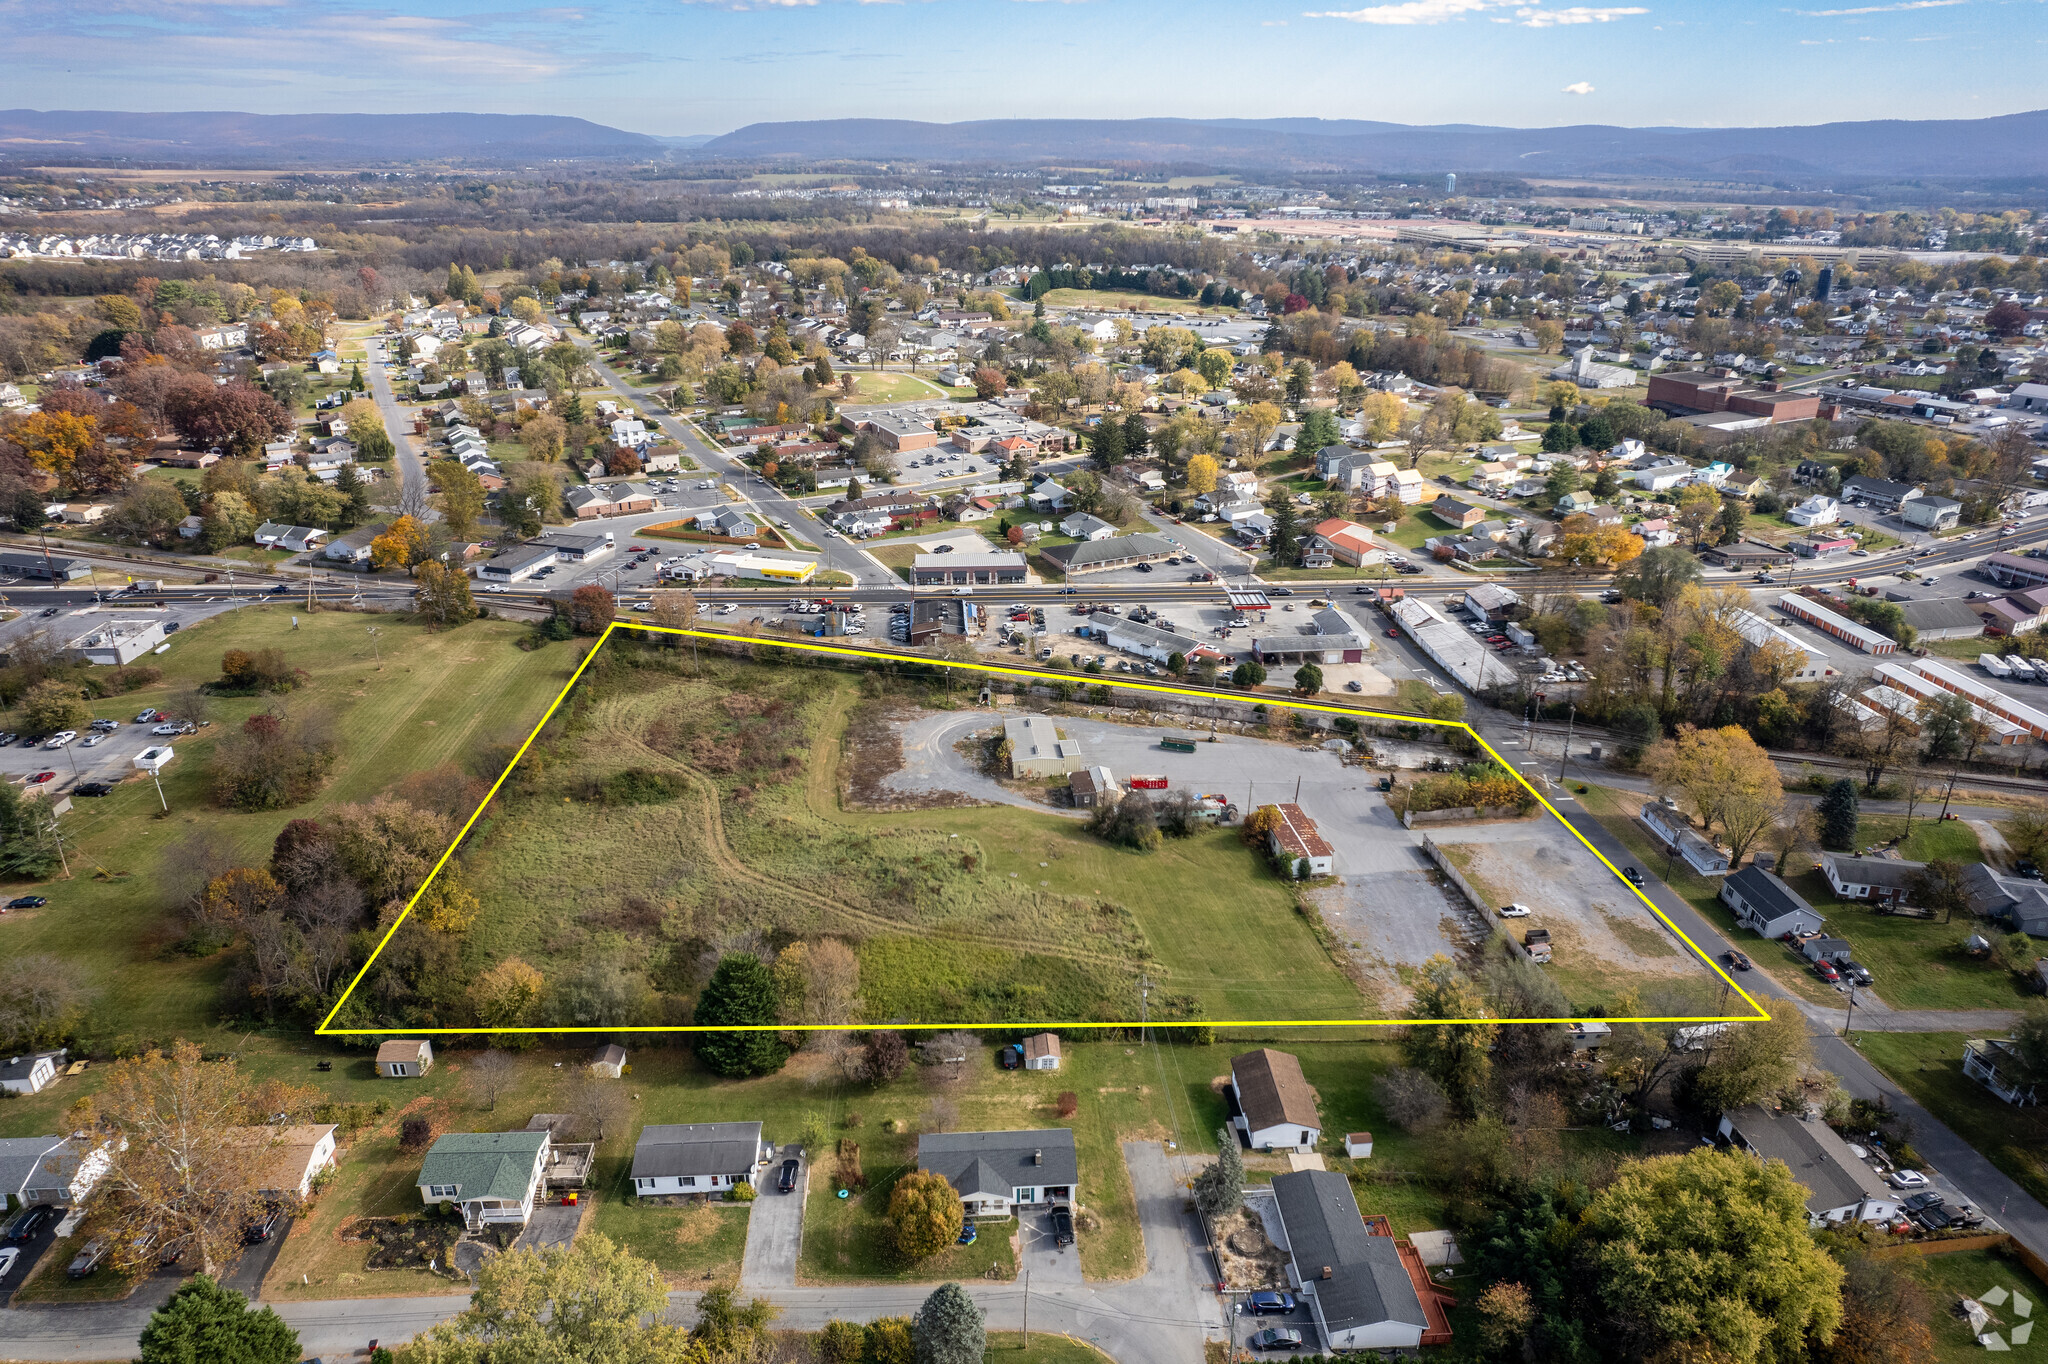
[54, 440]
[403, 544]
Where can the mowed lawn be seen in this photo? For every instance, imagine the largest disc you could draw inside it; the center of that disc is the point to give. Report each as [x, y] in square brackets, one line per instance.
[429, 699]
[1929, 1066]
[891, 386]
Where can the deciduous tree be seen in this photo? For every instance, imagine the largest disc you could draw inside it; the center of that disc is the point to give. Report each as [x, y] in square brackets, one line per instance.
[592, 1301]
[925, 1215]
[403, 544]
[443, 594]
[1452, 1054]
[462, 497]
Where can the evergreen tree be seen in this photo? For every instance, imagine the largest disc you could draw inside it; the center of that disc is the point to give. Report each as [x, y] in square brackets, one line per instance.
[1136, 437]
[206, 1322]
[741, 992]
[1285, 541]
[949, 1328]
[355, 506]
[1219, 1188]
[355, 379]
[1559, 437]
[1605, 484]
[1107, 445]
[1838, 807]
[1318, 428]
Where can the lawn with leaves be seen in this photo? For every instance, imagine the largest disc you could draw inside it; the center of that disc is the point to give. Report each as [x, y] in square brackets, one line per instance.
[1929, 1066]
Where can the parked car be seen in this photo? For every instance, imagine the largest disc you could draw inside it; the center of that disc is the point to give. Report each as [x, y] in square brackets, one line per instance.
[92, 788]
[1736, 960]
[89, 1258]
[263, 1226]
[1633, 877]
[7, 738]
[1514, 911]
[7, 1259]
[1271, 1304]
[39, 778]
[1276, 1338]
[94, 740]
[151, 714]
[1062, 1227]
[786, 1181]
[1827, 972]
[1912, 1179]
[30, 1221]
[28, 902]
[106, 724]
[61, 738]
[1011, 1057]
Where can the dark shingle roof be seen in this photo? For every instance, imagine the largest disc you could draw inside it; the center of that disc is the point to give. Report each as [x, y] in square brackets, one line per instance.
[1771, 897]
[1817, 1157]
[997, 1162]
[1271, 1087]
[696, 1148]
[1367, 1283]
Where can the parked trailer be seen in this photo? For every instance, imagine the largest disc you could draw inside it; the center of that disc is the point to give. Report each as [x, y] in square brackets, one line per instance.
[1993, 664]
[1177, 745]
[1147, 783]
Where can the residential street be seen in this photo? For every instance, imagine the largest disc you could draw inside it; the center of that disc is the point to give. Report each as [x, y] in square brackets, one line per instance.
[1976, 1178]
[1161, 1317]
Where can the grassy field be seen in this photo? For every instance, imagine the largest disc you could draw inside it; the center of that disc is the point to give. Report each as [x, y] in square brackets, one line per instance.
[1929, 1066]
[1122, 301]
[694, 1246]
[405, 700]
[1971, 1274]
[1916, 963]
[967, 915]
[871, 386]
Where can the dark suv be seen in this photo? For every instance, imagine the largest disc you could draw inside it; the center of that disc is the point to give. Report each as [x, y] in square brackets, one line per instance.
[786, 1182]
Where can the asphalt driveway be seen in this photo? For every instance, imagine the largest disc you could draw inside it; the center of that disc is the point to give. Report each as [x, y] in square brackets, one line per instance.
[775, 1226]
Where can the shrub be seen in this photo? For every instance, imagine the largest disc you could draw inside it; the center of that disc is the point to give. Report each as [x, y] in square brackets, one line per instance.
[415, 1134]
[1127, 823]
[842, 1342]
[1069, 1104]
[925, 1215]
[741, 1193]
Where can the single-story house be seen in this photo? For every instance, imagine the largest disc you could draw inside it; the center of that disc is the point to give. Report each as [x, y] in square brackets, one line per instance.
[493, 1177]
[1881, 880]
[1120, 551]
[405, 1060]
[1084, 526]
[1042, 1051]
[354, 547]
[30, 1073]
[1765, 905]
[1840, 1188]
[289, 1158]
[609, 1061]
[1358, 1286]
[996, 1173]
[2022, 905]
[296, 539]
[66, 1171]
[1271, 1102]
[1299, 846]
[1676, 833]
[696, 1157]
[21, 1161]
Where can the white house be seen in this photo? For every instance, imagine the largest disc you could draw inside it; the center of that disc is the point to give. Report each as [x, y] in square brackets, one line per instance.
[61, 1174]
[1271, 1103]
[1817, 510]
[1766, 905]
[290, 1158]
[1357, 1285]
[696, 1158]
[493, 1177]
[1995, 1063]
[1083, 526]
[1840, 1188]
[29, 1074]
[995, 1173]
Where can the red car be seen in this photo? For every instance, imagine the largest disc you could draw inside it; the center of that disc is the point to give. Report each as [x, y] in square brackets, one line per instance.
[39, 778]
[1393, 634]
[636, 549]
[1827, 972]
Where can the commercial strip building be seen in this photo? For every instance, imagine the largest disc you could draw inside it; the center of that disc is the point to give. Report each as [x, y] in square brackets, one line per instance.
[1925, 677]
[996, 568]
[1452, 647]
[117, 642]
[1758, 632]
[1101, 556]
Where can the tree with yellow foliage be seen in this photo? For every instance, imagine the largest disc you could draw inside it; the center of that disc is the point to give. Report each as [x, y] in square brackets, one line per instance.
[1728, 780]
[1202, 474]
[503, 995]
[403, 544]
[54, 440]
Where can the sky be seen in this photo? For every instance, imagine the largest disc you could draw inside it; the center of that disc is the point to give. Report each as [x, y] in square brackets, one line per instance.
[678, 67]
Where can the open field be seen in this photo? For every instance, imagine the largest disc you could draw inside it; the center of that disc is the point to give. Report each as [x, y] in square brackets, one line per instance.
[400, 701]
[872, 386]
[1929, 1066]
[1119, 300]
[681, 808]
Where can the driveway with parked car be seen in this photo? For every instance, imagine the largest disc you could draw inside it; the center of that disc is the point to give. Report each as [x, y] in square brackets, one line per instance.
[775, 1223]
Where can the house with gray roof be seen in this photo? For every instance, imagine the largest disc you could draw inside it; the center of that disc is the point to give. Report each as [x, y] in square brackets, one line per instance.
[996, 1173]
[1354, 1282]
[1880, 880]
[1100, 556]
[1765, 905]
[1840, 1188]
[61, 1173]
[696, 1157]
[493, 1177]
[21, 1161]
[2021, 905]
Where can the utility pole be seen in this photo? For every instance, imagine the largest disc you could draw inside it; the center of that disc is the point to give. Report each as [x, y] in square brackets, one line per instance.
[1954, 772]
[1848, 1022]
[1027, 1309]
[1566, 756]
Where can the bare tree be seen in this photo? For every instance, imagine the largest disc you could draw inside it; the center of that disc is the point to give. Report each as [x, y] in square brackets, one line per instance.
[600, 1104]
[951, 1059]
[491, 1071]
[193, 862]
[940, 1115]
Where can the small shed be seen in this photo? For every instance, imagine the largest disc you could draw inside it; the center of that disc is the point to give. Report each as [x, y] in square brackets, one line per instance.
[609, 1061]
[406, 1060]
[1823, 948]
[1358, 1145]
[1042, 1051]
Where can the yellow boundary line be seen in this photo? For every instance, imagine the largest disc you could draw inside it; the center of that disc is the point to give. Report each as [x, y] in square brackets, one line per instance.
[1035, 675]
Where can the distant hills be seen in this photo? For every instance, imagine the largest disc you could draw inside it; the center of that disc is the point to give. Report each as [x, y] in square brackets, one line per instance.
[248, 140]
[2012, 146]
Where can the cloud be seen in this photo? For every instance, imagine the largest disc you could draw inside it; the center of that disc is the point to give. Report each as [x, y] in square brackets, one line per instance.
[1409, 12]
[1578, 88]
[1877, 9]
[1577, 14]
